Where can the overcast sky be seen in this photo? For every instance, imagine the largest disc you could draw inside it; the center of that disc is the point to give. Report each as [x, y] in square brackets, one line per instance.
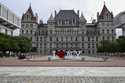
[45, 7]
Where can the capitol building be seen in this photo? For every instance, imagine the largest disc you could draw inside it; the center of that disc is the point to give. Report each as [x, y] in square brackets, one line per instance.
[68, 30]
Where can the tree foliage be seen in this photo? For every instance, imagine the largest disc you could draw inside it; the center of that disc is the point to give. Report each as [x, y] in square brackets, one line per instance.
[14, 44]
[115, 46]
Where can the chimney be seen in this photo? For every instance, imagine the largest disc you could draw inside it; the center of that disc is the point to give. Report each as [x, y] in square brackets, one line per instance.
[98, 16]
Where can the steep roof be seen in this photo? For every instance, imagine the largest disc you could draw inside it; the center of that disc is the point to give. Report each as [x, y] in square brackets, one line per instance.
[66, 14]
[104, 11]
[30, 11]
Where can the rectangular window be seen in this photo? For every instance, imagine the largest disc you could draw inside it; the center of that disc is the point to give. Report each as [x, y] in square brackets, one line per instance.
[88, 45]
[31, 25]
[96, 38]
[103, 31]
[108, 38]
[88, 38]
[107, 31]
[37, 39]
[103, 38]
[50, 38]
[83, 39]
[27, 31]
[112, 31]
[82, 45]
[22, 25]
[31, 32]
[93, 45]
[26, 25]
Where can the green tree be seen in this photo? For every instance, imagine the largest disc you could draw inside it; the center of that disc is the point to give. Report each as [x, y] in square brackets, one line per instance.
[121, 44]
[116, 46]
[14, 44]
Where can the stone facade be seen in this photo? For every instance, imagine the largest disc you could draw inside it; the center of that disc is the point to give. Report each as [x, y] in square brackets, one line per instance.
[68, 30]
[29, 24]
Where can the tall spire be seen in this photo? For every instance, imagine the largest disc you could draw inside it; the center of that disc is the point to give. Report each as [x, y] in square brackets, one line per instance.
[104, 10]
[105, 14]
[82, 18]
[30, 10]
[104, 2]
[51, 17]
[30, 4]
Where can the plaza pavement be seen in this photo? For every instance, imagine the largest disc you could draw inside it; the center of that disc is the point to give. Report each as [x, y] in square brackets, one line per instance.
[43, 62]
[62, 75]
[40, 70]
[63, 79]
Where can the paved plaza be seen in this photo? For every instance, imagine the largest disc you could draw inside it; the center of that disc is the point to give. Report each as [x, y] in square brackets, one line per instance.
[43, 62]
[63, 79]
[63, 71]
[62, 75]
[40, 70]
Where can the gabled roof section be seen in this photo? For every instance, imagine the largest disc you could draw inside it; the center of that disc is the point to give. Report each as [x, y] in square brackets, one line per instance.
[104, 12]
[66, 14]
[31, 17]
[30, 11]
